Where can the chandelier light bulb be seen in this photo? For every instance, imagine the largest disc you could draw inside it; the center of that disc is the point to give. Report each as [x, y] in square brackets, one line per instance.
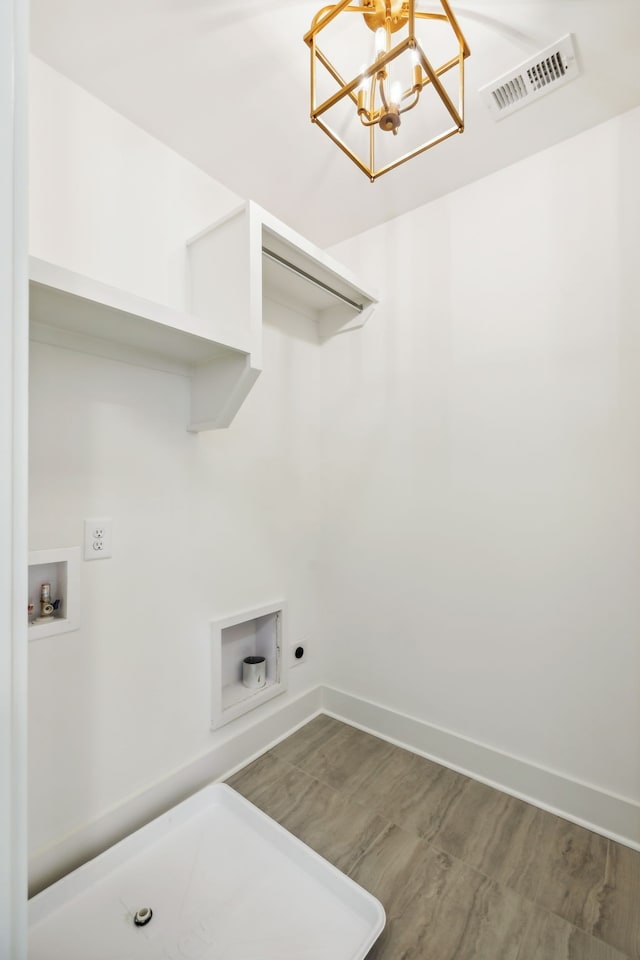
[417, 71]
[362, 96]
[380, 41]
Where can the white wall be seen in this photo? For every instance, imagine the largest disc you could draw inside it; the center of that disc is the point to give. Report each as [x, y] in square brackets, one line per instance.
[203, 526]
[481, 561]
[13, 472]
[108, 200]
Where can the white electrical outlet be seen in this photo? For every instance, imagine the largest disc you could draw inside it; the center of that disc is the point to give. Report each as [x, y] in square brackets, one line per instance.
[97, 538]
[299, 652]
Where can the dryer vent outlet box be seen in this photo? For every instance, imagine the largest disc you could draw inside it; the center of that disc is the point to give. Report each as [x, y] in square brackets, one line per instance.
[547, 71]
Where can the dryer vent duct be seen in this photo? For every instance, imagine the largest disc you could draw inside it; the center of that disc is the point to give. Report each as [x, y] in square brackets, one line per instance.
[547, 71]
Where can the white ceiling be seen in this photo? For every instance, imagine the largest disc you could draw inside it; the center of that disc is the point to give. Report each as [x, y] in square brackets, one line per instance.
[225, 84]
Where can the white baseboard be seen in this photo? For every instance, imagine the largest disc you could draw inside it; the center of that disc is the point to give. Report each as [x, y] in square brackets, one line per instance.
[235, 751]
[612, 816]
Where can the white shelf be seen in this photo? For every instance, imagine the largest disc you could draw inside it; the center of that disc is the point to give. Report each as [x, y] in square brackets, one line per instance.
[235, 693]
[257, 632]
[244, 252]
[218, 344]
[72, 311]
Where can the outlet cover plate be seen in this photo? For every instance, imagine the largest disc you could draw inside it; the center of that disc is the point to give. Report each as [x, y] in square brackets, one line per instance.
[294, 658]
[98, 538]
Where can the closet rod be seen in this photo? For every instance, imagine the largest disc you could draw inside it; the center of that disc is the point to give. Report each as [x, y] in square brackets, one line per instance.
[307, 276]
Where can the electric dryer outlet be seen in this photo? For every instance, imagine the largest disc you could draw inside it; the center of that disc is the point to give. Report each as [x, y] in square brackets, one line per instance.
[299, 652]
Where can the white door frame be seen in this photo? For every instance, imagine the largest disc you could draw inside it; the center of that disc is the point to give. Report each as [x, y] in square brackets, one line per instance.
[13, 476]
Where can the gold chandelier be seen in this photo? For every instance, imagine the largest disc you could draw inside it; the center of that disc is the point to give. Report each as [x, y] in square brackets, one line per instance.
[371, 116]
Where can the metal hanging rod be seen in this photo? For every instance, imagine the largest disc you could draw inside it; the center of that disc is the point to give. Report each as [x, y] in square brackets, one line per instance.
[307, 276]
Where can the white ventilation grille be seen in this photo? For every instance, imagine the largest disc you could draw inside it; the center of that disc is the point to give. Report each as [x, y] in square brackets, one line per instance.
[547, 71]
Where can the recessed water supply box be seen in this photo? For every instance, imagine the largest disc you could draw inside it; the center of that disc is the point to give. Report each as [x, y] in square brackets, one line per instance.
[256, 633]
[59, 570]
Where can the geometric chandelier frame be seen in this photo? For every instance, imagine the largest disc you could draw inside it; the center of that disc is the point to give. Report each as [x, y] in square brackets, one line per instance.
[378, 103]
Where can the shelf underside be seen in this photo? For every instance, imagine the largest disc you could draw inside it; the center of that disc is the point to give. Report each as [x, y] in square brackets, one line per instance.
[58, 310]
[294, 289]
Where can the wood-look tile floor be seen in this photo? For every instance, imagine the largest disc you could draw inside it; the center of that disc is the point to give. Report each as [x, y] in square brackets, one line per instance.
[464, 871]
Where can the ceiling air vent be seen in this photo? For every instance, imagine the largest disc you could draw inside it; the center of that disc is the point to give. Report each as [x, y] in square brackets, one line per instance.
[548, 70]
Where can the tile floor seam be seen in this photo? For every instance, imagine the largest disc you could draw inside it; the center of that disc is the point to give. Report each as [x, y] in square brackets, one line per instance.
[481, 873]
[502, 883]
[588, 927]
[364, 853]
[472, 866]
[527, 899]
[336, 733]
[606, 943]
[536, 891]
[585, 933]
[590, 934]
[523, 946]
[606, 874]
[533, 898]
[324, 783]
[594, 925]
[432, 842]
[345, 795]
